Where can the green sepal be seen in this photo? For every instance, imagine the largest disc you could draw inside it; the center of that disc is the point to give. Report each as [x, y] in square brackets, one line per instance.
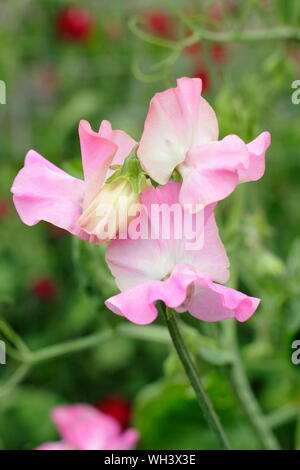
[132, 172]
[176, 176]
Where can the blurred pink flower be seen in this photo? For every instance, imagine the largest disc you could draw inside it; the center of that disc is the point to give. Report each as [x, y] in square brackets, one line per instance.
[42, 191]
[219, 9]
[181, 131]
[83, 427]
[148, 270]
[216, 12]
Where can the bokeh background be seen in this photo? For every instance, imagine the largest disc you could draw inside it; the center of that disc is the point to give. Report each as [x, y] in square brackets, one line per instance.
[61, 65]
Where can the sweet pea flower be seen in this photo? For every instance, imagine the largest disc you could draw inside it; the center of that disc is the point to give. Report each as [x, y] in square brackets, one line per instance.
[181, 132]
[83, 427]
[149, 270]
[42, 191]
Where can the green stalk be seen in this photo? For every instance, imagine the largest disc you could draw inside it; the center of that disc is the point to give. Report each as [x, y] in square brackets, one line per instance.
[150, 333]
[12, 336]
[17, 377]
[280, 33]
[245, 394]
[205, 404]
[284, 415]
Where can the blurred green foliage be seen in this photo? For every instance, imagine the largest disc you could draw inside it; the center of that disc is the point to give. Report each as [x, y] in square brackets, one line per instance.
[52, 84]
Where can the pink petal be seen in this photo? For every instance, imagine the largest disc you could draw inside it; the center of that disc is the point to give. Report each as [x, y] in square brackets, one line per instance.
[124, 142]
[127, 440]
[97, 155]
[85, 427]
[42, 191]
[257, 149]
[213, 302]
[230, 153]
[218, 302]
[61, 445]
[211, 259]
[136, 261]
[203, 187]
[211, 170]
[138, 304]
[178, 118]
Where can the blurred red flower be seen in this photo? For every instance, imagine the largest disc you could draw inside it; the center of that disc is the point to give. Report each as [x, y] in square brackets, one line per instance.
[44, 288]
[159, 23]
[74, 23]
[194, 49]
[219, 53]
[117, 407]
[4, 208]
[201, 72]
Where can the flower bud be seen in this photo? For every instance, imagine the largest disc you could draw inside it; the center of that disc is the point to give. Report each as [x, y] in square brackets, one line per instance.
[111, 210]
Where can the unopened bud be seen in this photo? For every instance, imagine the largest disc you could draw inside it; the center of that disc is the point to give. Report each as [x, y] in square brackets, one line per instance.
[109, 212]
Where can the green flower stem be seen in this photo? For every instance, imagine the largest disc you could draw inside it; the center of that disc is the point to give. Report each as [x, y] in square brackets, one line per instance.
[12, 336]
[200, 34]
[283, 415]
[68, 347]
[244, 392]
[155, 333]
[17, 377]
[192, 374]
[285, 32]
[236, 370]
[27, 358]
[151, 333]
[272, 34]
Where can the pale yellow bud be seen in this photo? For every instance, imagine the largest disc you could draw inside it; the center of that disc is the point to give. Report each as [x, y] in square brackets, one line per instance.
[109, 213]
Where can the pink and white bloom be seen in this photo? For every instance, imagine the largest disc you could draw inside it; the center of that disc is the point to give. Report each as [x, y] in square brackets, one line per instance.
[83, 427]
[181, 132]
[42, 191]
[148, 270]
